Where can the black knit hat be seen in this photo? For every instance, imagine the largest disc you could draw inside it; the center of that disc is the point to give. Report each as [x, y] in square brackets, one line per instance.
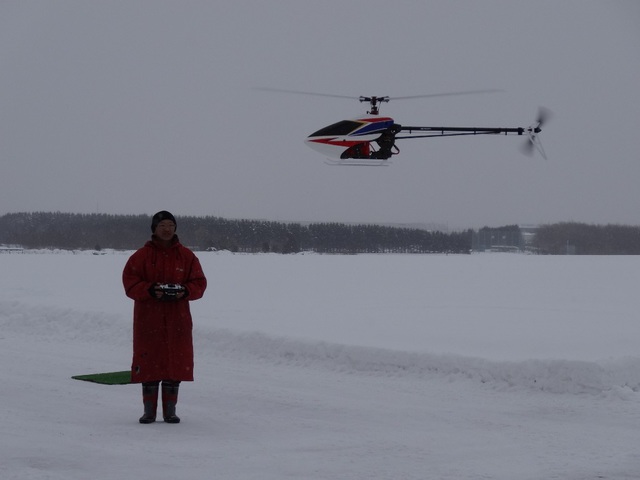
[160, 216]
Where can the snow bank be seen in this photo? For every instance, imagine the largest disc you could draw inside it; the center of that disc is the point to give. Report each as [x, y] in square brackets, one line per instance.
[52, 324]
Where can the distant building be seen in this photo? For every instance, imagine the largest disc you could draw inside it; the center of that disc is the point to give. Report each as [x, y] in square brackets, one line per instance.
[11, 249]
[504, 239]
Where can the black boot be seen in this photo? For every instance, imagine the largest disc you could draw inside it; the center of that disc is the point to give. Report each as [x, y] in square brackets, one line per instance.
[150, 401]
[169, 400]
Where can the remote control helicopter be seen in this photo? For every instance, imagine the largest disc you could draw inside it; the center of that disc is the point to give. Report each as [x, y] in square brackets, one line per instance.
[371, 140]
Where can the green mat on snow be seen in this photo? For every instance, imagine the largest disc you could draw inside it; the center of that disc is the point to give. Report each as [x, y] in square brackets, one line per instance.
[108, 378]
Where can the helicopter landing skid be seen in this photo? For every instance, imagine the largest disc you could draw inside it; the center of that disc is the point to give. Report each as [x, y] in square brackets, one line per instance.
[356, 162]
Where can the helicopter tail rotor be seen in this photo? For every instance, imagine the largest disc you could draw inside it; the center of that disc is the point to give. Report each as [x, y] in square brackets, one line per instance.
[533, 141]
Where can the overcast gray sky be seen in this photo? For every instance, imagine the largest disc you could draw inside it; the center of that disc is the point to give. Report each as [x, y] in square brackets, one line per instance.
[136, 106]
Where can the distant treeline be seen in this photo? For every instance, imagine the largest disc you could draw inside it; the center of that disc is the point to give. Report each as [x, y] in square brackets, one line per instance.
[73, 231]
[583, 239]
[128, 232]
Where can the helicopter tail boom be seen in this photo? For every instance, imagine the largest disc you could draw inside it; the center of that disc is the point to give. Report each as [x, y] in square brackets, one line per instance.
[457, 131]
[532, 132]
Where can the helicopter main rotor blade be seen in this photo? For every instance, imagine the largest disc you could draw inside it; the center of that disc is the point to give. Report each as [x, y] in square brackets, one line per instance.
[331, 95]
[301, 92]
[447, 94]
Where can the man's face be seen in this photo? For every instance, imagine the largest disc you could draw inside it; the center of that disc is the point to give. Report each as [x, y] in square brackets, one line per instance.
[165, 230]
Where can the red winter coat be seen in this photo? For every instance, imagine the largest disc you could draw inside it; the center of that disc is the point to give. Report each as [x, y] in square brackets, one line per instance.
[162, 331]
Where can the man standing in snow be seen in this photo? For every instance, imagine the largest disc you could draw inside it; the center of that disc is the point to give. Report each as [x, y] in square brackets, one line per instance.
[162, 277]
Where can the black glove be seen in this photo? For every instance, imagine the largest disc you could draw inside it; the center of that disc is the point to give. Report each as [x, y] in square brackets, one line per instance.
[153, 290]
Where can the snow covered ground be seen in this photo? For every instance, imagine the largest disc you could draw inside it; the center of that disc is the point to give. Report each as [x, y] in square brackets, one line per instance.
[486, 366]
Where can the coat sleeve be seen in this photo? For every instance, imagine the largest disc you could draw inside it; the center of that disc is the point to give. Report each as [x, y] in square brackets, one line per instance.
[135, 285]
[196, 284]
